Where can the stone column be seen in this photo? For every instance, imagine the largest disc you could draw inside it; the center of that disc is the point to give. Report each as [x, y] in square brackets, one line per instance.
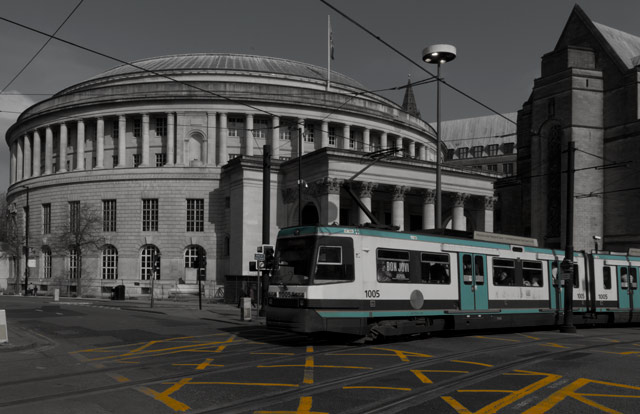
[324, 134]
[248, 136]
[19, 159]
[346, 136]
[428, 209]
[300, 141]
[366, 140]
[330, 200]
[397, 210]
[37, 145]
[275, 137]
[62, 153]
[26, 153]
[48, 150]
[80, 146]
[366, 192]
[211, 138]
[422, 152]
[489, 206]
[459, 220]
[223, 157]
[412, 149]
[122, 141]
[180, 134]
[145, 140]
[99, 142]
[383, 140]
[171, 137]
[12, 163]
[399, 147]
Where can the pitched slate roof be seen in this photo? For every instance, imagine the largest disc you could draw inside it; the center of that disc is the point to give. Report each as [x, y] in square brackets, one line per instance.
[626, 46]
[484, 130]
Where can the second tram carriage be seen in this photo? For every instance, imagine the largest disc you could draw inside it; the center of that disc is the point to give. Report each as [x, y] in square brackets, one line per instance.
[359, 280]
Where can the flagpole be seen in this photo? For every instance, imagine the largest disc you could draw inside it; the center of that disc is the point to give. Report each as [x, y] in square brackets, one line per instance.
[328, 52]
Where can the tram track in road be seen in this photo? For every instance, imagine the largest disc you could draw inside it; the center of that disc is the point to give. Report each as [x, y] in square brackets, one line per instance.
[395, 404]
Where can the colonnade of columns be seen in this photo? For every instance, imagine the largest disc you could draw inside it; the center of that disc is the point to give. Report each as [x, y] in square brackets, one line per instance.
[328, 193]
[26, 157]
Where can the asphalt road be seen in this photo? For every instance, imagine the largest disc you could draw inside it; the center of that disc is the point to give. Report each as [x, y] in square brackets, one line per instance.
[82, 356]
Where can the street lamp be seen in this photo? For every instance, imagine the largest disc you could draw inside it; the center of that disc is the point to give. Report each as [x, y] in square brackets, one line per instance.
[595, 239]
[438, 54]
[26, 248]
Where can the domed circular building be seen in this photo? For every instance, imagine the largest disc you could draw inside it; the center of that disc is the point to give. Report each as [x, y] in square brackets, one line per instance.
[168, 152]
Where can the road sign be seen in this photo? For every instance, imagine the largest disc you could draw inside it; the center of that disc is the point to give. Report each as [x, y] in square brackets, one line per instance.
[259, 256]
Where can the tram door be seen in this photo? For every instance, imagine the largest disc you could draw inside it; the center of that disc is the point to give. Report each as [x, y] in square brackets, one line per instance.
[556, 286]
[628, 293]
[472, 270]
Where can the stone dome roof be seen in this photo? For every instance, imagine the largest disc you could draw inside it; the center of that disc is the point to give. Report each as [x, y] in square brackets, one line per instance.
[226, 63]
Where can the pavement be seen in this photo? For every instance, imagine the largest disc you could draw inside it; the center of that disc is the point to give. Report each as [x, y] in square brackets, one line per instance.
[21, 338]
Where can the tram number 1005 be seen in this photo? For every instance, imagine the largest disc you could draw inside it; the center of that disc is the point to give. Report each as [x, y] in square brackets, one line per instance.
[372, 293]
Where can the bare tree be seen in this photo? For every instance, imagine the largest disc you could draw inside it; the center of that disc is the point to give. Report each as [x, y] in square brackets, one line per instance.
[78, 236]
[11, 237]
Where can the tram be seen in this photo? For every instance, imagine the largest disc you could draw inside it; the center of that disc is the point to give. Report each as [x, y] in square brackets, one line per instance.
[369, 281]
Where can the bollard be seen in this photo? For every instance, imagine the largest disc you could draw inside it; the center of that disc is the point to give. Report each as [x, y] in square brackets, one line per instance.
[245, 309]
[56, 295]
[4, 337]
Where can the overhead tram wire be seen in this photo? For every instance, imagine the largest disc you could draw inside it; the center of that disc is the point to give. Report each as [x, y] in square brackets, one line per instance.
[421, 67]
[41, 49]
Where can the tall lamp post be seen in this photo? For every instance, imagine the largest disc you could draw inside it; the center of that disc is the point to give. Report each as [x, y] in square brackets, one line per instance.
[438, 54]
[26, 247]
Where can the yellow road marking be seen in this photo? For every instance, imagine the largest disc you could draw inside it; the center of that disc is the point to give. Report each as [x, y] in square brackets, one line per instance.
[206, 363]
[164, 398]
[315, 366]
[308, 367]
[553, 345]
[272, 353]
[253, 384]
[118, 377]
[496, 338]
[304, 407]
[404, 355]
[570, 392]
[472, 363]
[420, 374]
[354, 387]
[529, 336]
[512, 396]
[120, 361]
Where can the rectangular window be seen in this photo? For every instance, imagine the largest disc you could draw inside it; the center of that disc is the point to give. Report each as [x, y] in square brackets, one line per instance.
[492, 150]
[393, 266]
[73, 264]
[606, 277]
[109, 214]
[234, 125]
[463, 152]
[137, 128]
[504, 272]
[195, 214]
[532, 274]
[161, 159]
[115, 130]
[507, 148]
[309, 133]
[492, 167]
[46, 218]
[476, 151]
[110, 263]
[260, 127]
[285, 133]
[352, 140]
[161, 127]
[137, 160]
[74, 216]
[115, 160]
[150, 214]
[507, 168]
[332, 136]
[46, 257]
[450, 153]
[435, 268]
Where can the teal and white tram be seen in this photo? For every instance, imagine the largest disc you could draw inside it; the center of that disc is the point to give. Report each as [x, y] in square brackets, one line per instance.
[359, 280]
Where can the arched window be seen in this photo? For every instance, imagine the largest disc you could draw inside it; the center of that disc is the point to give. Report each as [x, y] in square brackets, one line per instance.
[109, 262]
[147, 255]
[196, 141]
[73, 263]
[190, 255]
[46, 262]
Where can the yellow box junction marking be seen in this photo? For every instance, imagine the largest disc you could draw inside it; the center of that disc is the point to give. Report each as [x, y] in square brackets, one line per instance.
[495, 338]
[308, 367]
[164, 397]
[403, 355]
[570, 391]
[304, 407]
[373, 387]
[471, 362]
[118, 377]
[202, 365]
[513, 395]
[420, 374]
[528, 336]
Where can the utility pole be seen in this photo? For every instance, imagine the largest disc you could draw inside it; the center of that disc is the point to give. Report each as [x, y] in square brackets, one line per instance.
[567, 263]
[26, 247]
[299, 176]
[266, 222]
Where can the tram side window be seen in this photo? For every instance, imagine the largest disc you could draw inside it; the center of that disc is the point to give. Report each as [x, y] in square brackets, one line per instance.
[393, 266]
[330, 265]
[606, 277]
[633, 273]
[504, 272]
[532, 274]
[435, 268]
[576, 276]
[624, 279]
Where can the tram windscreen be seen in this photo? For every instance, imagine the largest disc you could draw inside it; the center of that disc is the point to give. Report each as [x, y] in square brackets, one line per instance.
[294, 257]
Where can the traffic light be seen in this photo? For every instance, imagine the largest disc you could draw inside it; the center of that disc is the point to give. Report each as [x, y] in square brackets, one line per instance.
[156, 263]
[269, 257]
[203, 260]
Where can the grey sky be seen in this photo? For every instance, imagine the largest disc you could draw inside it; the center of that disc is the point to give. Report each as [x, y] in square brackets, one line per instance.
[499, 43]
